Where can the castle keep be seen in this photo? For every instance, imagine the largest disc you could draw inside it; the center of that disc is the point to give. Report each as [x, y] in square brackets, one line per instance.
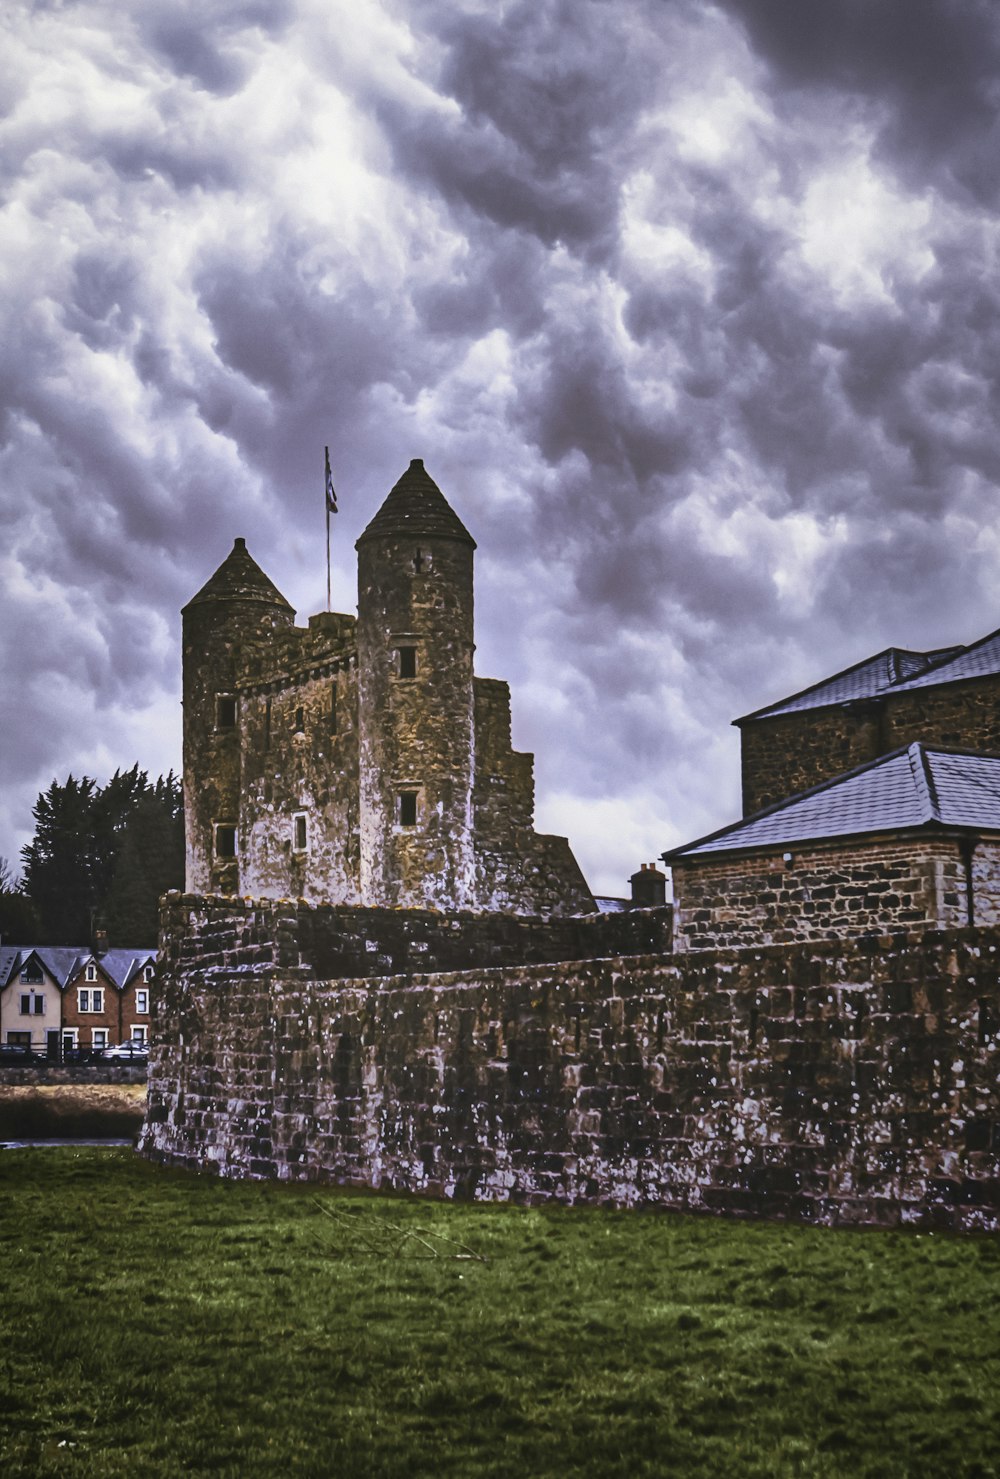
[362, 762]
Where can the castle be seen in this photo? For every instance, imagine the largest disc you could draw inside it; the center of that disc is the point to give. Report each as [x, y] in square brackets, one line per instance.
[822, 1042]
[361, 761]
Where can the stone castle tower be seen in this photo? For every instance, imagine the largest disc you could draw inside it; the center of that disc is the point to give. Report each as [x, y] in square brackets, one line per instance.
[362, 761]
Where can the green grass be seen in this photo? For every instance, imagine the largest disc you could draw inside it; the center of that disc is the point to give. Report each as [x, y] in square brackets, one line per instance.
[155, 1323]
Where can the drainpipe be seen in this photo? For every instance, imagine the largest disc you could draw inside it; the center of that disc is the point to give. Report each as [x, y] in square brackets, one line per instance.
[966, 848]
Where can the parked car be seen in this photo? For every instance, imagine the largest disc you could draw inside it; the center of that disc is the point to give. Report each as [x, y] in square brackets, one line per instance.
[127, 1052]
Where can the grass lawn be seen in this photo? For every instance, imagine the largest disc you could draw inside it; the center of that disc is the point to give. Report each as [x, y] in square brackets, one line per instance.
[157, 1323]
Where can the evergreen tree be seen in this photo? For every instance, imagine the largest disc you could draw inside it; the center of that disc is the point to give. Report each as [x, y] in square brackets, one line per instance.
[18, 921]
[102, 856]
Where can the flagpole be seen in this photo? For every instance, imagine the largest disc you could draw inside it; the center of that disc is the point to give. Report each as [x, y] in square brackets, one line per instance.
[326, 500]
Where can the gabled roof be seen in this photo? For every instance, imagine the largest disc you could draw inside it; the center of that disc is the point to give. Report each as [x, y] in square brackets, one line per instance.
[65, 962]
[891, 669]
[239, 578]
[912, 787]
[416, 505]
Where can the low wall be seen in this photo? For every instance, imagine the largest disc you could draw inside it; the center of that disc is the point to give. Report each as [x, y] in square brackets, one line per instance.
[219, 931]
[852, 1082]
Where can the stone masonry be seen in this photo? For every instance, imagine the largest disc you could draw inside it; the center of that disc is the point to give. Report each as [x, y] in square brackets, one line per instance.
[361, 761]
[846, 1082]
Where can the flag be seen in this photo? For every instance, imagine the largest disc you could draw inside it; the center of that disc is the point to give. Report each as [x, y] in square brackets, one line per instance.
[331, 497]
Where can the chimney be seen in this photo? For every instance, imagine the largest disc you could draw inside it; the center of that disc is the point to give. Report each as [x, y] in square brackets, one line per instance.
[100, 943]
[649, 887]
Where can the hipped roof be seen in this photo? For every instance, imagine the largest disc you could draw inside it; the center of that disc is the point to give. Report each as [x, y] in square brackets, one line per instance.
[912, 787]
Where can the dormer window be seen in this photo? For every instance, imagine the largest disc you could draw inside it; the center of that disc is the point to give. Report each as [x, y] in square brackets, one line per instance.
[225, 711]
[91, 972]
[407, 662]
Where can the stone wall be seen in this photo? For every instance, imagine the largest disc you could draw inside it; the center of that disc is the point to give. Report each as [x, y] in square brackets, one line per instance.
[841, 1083]
[832, 889]
[792, 752]
[210, 934]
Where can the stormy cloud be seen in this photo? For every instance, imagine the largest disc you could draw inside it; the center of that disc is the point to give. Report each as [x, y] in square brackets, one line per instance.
[690, 309]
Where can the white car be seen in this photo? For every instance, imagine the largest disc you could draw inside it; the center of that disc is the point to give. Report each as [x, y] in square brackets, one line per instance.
[127, 1052]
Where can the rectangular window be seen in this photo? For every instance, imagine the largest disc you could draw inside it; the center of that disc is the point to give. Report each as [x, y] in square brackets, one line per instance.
[300, 834]
[407, 662]
[84, 1001]
[225, 840]
[225, 711]
[148, 972]
[99, 1037]
[19, 1039]
[333, 707]
[142, 1002]
[140, 1034]
[407, 808]
[91, 973]
[70, 1035]
[39, 1005]
[300, 721]
[93, 1000]
[26, 1004]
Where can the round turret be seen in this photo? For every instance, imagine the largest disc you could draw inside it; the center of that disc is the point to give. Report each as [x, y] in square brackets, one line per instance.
[237, 606]
[415, 700]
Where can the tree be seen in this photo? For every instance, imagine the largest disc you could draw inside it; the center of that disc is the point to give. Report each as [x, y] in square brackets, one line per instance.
[18, 921]
[103, 855]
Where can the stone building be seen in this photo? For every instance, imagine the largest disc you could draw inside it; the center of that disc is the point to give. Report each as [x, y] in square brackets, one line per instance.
[947, 697]
[361, 761]
[908, 842]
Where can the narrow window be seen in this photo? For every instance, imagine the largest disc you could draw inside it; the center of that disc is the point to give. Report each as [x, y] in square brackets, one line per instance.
[225, 711]
[421, 562]
[407, 662]
[99, 1037]
[26, 1005]
[225, 840]
[148, 972]
[91, 973]
[407, 808]
[333, 707]
[300, 721]
[38, 1002]
[300, 836]
[84, 1001]
[142, 1002]
[97, 1001]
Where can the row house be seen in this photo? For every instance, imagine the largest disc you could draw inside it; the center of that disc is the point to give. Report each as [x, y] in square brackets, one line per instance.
[55, 999]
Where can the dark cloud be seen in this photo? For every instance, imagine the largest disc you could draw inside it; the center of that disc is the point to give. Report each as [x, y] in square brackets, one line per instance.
[690, 310]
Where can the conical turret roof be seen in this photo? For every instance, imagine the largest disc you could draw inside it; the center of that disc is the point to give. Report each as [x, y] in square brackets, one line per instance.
[416, 505]
[239, 578]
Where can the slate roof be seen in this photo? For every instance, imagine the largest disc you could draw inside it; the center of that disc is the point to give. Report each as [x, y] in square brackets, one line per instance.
[912, 787]
[64, 962]
[239, 578]
[416, 505]
[892, 669]
[980, 660]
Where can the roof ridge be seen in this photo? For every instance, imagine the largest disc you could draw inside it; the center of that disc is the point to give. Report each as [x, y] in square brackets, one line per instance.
[923, 780]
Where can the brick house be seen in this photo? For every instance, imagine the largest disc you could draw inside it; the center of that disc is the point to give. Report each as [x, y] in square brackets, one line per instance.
[948, 697]
[908, 841]
[61, 998]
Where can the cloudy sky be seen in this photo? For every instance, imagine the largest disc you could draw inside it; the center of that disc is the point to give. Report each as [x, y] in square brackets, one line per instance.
[692, 310]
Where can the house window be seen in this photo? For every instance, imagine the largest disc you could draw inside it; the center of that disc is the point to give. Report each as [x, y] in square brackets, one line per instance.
[99, 1037]
[300, 832]
[32, 1004]
[225, 840]
[407, 662]
[91, 973]
[225, 711]
[19, 1039]
[408, 808]
[148, 972]
[70, 1037]
[142, 1002]
[31, 975]
[140, 1033]
[92, 1000]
